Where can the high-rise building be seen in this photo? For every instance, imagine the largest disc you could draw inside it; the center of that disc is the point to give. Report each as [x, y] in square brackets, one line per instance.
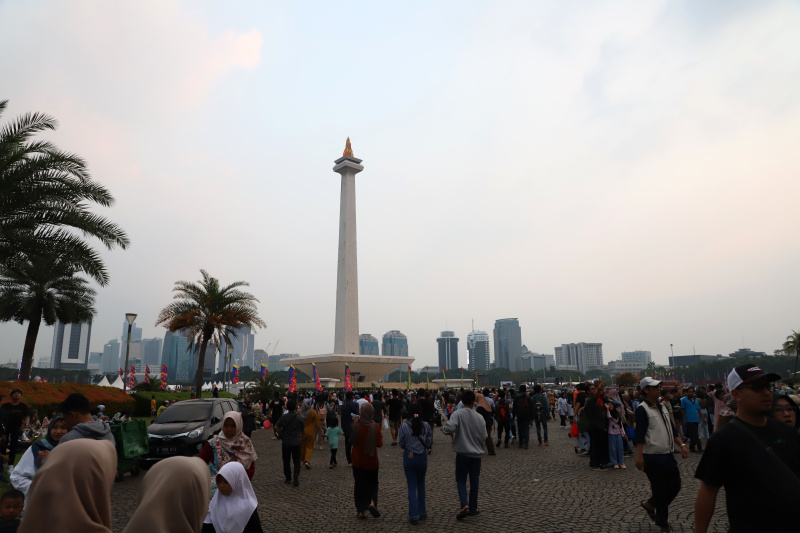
[71, 345]
[242, 341]
[395, 343]
[642, 356]
[260, 356]
[507, 343]
[275, 361]
[109, 363]
[178, 357]
[448, 350]
[581, 356]
[535, 361]
[136, 333]
[151, 353]
[367, 345]
[478, 357]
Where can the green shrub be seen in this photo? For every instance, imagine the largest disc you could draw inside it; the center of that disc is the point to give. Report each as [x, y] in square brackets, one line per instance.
[142, 399]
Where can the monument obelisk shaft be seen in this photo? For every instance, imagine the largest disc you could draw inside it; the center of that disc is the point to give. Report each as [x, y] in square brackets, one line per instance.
[346, 336]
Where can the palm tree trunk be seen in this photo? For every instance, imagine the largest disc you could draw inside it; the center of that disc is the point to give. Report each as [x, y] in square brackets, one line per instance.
[201, 362]
[30, 344]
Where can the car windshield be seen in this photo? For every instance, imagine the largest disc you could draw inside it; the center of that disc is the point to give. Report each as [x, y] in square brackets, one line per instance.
[190, 412]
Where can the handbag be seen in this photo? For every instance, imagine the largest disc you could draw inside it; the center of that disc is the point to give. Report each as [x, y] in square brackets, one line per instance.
[573, 431]
[630, 433]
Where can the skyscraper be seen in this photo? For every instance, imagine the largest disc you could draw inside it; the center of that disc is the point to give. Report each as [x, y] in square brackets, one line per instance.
[260, 356]
[136, 333]
[109, 363]
[641, 356]
[581, 356]
[242, 349]
[176, 355]
[367, 345]
[151, 352]
[71, 345]
[448, 350]
[507, 343]
[478, 350]
[395, 343]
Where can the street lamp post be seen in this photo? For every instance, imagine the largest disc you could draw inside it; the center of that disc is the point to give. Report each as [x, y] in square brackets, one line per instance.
[229, 351]
[130, 317]
[671, 352]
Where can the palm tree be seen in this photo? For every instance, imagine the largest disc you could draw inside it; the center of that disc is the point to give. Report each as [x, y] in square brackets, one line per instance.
[42, 288]
[208, 312]
[44, 198]
[792, 344]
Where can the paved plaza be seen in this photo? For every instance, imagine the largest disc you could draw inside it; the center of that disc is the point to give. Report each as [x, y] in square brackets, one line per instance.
[548, 490]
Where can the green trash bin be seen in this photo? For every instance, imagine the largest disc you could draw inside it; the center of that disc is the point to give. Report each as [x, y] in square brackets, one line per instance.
[132, 443]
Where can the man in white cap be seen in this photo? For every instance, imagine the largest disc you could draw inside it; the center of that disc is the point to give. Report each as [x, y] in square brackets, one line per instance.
[756, 459]
[656, 440]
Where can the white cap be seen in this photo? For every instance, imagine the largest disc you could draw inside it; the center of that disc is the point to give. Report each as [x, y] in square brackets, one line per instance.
[649, 382]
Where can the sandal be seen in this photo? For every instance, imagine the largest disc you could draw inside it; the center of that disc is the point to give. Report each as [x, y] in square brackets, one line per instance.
[463, 513]
[650, 512]
[374, 511]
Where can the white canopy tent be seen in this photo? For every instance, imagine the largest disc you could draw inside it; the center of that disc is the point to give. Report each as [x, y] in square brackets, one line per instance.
[118, 383]
[104, 382]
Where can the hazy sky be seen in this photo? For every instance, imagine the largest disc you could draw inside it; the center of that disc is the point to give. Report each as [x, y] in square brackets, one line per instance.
[615, 172]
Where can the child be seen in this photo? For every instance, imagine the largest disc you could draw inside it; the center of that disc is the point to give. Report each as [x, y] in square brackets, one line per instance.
[233, 509]
[332, 434]
[11, 503]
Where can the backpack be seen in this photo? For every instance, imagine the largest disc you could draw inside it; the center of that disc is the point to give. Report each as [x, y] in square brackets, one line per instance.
[539, 413]
[502, 411]
[523, 408]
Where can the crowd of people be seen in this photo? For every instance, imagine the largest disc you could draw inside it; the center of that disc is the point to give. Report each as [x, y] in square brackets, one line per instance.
[746, 432]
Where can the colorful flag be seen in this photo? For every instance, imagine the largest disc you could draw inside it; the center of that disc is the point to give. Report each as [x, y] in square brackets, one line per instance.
[235, 375]
[121, 372]
[409, 376]
[44, 380]
[264, 371]
[348, 385]
[163, 377]
[147, 373]
[292, 379]
[317, 383]
[131, 377]
[444, 375]
[476, 379]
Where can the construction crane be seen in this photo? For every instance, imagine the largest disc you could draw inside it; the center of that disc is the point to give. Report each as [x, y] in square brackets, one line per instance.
[275, 348]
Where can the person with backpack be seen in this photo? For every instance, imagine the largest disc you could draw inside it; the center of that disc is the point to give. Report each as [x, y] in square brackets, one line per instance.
[523, 412]
[502, 414]
[540, 413]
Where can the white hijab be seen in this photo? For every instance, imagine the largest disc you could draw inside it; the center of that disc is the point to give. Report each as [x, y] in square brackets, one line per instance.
[230, 514]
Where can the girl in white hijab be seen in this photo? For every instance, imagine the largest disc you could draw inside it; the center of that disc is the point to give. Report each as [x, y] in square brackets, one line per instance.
[233, 509]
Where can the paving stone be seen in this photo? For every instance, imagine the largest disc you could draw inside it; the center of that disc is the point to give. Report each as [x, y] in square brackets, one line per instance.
[567, 497]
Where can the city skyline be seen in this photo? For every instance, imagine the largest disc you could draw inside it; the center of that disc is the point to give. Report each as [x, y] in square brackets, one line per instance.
[619, 173]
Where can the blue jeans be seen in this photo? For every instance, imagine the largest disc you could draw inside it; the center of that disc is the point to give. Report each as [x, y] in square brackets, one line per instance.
[583, 440]
[539, 430]
[615, 450]
[468, 466]
[415, 469]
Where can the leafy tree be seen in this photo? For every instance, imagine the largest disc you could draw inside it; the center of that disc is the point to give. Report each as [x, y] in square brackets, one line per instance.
[266, 389]
[626, 379]
[207, 311]
[45, 196]
[42, 288]
[792, 345]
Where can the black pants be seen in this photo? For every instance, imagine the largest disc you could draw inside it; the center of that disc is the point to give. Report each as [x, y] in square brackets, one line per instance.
[563, 421]
[598, 451]
[694, 436]
[333, 456]
[293, 453]
[503, 425]
[13, 442]
[365, 488]
[347, 448]
[665, 484]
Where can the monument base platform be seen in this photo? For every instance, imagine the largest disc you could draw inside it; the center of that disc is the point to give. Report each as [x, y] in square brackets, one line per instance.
[364, 369]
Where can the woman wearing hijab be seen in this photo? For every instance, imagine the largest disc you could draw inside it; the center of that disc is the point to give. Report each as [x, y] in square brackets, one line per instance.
[367, 438]
[230, 445]
[71, 492]
[784, 409]
[485, 410]
[32, 459]
[311, 428]
[233, 509]
[173, 497]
